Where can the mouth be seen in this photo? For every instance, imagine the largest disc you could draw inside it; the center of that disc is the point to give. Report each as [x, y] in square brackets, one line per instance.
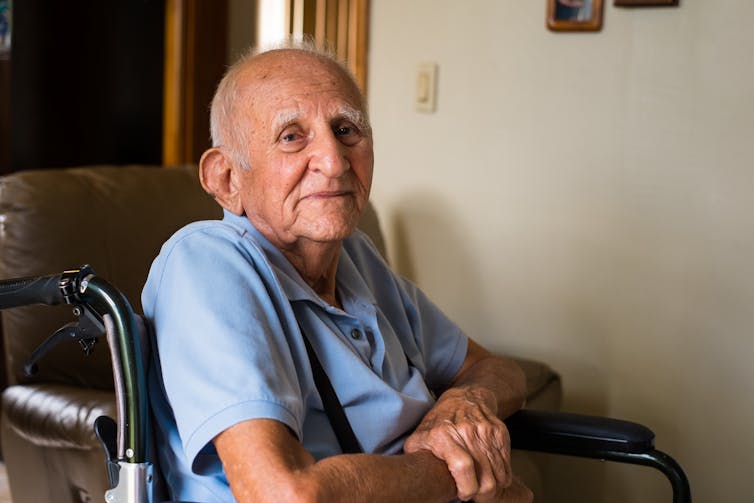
[329, 194]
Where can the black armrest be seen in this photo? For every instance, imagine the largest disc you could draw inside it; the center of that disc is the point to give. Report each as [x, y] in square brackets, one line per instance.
[553, 431]
[595, 437]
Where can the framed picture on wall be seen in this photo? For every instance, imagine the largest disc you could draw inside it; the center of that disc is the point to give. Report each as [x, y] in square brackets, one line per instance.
[643, 3]
[574, 15]
[5, 26]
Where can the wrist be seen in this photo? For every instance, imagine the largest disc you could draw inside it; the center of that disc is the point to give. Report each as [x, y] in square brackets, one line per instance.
[474, 394]
[436, 470]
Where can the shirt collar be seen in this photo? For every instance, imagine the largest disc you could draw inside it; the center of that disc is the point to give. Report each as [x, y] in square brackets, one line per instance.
[350, 283]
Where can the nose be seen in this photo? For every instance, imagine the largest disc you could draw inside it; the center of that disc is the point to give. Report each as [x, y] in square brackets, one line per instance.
[328, 155]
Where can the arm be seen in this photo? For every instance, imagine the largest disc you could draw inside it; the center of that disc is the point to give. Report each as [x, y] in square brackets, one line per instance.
[264, 461]
[500, 379]
[465, 427]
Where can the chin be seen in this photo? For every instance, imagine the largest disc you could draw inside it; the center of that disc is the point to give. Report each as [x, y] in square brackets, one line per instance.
[331, 236]
[327, 230]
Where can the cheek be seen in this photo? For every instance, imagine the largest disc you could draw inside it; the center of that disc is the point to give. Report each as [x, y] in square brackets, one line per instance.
[283, 183]
[364, 170]
[289, 173]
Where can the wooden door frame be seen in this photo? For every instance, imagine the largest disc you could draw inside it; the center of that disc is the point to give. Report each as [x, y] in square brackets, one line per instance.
[195, 57]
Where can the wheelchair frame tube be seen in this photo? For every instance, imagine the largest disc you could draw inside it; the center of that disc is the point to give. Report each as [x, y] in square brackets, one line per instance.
[135, 484]
[653, 458]
[661, 461]
[595, 437]
[127, 354]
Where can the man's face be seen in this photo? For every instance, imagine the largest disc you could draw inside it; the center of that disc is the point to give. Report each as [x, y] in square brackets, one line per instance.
[310, 151]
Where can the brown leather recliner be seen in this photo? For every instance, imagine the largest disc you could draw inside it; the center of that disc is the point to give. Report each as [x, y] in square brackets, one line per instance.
[115, 219]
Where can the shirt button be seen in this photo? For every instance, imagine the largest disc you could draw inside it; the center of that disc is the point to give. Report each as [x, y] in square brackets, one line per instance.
[355, 334]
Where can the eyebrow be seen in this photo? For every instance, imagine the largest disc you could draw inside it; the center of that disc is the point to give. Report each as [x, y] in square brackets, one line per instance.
[285, 118]
[354, 115]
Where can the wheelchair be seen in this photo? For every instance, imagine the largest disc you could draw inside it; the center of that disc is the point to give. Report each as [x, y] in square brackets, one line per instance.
[101, 309]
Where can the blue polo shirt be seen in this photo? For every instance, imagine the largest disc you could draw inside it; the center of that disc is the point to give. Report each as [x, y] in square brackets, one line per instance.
[228, 311]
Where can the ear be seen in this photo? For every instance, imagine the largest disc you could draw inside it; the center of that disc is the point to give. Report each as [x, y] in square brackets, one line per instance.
[218, 177]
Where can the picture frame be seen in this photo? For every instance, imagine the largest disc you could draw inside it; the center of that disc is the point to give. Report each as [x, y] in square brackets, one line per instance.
[645, 3]
[574, 15]
[5, 28]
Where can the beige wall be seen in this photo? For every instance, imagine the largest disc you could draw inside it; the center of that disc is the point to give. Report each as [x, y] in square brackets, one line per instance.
[587, 199]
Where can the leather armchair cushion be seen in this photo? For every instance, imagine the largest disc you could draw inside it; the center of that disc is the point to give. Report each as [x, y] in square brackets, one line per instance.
[55, 415]
[543, 385]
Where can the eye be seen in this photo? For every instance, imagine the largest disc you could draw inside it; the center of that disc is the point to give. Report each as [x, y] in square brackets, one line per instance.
[292, 138]
[344, 130]
[347, 133]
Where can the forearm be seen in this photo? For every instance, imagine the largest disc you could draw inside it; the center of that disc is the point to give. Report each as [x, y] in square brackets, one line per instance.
[419, 477]
[264, 462]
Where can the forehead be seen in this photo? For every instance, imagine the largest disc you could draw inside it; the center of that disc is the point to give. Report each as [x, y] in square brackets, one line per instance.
[289, 82]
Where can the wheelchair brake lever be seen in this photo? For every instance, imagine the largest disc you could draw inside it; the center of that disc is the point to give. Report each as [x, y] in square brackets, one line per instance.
[107, 432]
[86, 330]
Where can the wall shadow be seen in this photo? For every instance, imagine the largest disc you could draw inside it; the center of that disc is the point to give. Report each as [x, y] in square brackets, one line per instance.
[431, 246]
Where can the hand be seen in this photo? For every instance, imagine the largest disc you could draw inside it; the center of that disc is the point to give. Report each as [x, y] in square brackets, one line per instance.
[463, 430]
[517, 492]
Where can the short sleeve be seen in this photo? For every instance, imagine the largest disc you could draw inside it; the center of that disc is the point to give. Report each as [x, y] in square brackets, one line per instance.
[222, 353]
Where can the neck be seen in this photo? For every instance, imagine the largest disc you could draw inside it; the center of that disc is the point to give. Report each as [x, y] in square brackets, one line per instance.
[317, 263]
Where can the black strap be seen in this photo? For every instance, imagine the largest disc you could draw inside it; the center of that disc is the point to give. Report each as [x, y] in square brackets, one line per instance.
[349, 444]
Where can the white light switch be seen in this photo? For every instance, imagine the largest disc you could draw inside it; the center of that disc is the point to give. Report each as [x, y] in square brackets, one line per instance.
[426, 87]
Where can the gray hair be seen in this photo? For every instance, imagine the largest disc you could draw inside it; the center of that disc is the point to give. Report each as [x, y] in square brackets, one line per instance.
[224, 129]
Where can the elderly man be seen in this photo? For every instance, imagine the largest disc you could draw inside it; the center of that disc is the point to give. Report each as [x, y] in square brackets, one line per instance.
[234, 303]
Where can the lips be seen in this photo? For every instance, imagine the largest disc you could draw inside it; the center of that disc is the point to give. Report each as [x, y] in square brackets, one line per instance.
[328, 194]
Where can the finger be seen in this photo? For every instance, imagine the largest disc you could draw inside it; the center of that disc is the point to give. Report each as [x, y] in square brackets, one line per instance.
[499, 467]
[487, 476]
[447, 444]
[517, 493]
[500, 461]
[491, 464]
[493, 469]
[487, 443]
[462, 468]
[497, 450]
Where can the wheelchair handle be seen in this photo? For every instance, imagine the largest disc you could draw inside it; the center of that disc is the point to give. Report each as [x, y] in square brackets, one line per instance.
[35, 290]
[82, 288]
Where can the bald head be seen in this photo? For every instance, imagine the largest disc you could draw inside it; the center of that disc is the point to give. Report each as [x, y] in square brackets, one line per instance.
[251, 81]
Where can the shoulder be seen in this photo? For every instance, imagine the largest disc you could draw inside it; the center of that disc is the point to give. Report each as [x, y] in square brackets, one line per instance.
[204, 253]
[210, 242]
[204, 230]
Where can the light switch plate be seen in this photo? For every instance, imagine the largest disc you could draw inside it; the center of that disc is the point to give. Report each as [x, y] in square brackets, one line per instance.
[426, 87]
